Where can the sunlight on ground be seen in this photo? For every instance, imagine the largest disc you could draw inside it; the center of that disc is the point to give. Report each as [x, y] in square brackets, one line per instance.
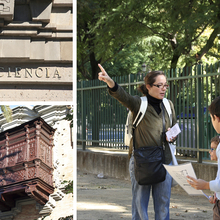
[99, 206]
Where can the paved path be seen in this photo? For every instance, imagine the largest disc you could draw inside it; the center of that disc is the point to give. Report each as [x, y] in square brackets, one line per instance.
[109, 198]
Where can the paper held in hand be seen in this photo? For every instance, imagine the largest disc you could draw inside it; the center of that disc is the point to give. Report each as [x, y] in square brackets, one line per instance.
[179, 174]
[173, 132]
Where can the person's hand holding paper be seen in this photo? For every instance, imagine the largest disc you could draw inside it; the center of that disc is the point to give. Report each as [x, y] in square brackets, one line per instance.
[172, 133]
[197, 183]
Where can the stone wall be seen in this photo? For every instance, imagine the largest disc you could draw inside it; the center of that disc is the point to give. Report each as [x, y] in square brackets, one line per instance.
[36, 50]
[117, 165]
[63, 164]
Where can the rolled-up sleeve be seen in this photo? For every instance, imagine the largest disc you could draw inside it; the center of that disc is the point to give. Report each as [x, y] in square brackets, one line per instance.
[214, 185]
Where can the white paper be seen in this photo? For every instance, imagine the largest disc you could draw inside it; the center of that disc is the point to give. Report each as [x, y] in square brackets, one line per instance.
[173, 132]
[179, 174]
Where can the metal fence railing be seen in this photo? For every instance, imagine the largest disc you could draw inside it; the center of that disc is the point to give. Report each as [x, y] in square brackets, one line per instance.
[101, 118]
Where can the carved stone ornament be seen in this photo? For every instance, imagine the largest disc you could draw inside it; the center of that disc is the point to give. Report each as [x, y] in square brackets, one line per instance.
[7, 9]
[26, 163]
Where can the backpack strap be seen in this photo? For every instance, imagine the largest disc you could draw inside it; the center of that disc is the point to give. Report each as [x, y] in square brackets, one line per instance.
[143, 108]
[141, 112]
[168, 109]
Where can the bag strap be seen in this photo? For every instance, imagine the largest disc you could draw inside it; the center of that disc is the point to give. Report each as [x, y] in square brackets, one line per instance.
[163, 136]
[140, 115]
[141, 112]
[168, 109]
[163, 133]
[143, 108]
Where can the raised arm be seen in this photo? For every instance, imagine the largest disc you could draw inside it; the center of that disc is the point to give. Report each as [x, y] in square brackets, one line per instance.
[103, 76]
[117, 92]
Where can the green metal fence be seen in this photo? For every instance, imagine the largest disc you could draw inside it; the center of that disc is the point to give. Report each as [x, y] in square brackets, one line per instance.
[101, 118]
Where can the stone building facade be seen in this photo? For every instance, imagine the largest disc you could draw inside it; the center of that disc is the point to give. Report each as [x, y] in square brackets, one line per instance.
[36, 50]
[59, 203]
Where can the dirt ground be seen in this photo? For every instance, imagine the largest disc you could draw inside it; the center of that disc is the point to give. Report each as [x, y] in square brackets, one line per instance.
[109, 198]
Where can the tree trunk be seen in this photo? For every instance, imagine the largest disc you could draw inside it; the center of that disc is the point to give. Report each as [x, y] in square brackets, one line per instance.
[94, 65]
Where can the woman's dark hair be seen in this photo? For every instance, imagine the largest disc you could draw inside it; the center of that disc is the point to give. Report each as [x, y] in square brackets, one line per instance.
[150, 78]
[216, 140]
[214, 108]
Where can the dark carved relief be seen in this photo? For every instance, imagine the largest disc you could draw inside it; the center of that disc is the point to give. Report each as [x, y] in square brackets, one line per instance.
[42, 152]
[32, 149]
[20, 154]
[31, 173]
[26, 163]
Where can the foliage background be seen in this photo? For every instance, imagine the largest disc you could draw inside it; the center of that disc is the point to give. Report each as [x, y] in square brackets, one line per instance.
[163, 34]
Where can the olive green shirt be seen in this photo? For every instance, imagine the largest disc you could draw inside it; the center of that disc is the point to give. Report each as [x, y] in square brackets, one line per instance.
[149, 130]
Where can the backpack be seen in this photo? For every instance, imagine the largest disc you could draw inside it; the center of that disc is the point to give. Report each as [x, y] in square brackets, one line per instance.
[143, 107]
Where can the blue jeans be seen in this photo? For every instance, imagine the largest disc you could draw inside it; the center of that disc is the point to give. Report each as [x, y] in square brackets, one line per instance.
[141, 194]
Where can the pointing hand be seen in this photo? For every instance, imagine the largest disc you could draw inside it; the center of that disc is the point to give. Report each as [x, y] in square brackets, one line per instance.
[103, 76]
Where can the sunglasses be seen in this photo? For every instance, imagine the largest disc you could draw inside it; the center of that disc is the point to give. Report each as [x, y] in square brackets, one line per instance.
[212, 149]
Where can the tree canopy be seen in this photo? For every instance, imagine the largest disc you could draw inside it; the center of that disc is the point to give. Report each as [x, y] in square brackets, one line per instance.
[7, 112]
[122, 35]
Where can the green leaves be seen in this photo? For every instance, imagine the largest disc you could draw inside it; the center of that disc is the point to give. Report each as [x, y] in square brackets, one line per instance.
[7, 112]
[167, 33]
[68, 186]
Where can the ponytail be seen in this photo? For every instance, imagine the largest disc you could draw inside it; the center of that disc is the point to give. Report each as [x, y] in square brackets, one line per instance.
[142, 88]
